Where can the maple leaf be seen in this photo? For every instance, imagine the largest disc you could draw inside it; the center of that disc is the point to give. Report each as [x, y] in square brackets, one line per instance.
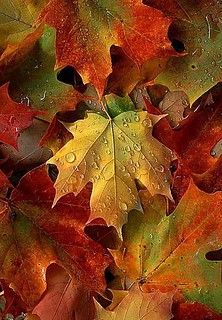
[198, 26]
[84, 42]
[15, 53]
[179, 240]
[35, 80]
[136, 246]
[138, 305]
[64, 299]
[35, 236]
[17, 36]
[126, 73]
[112, 153]
[14, 117]
[193, 141]
[16, 20]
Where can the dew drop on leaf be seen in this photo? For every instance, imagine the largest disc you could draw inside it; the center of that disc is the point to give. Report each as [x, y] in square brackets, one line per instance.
[123, 206]
[146, 122]
[137, 147]
[160, 168]
[95, 165]
[70, 157]
[137, 118]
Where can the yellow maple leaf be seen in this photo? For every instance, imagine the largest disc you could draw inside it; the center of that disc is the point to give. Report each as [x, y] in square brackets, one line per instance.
[112, 154]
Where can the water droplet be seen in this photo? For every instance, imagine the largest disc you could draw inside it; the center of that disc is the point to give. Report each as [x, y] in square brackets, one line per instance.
[70, 157]
[123, 168]
[142, 157]
[108, 151]
[105, 140]
[125, 124]
[127, 148]
[137, 147]
[43, 97]
[123, 206]
[121, 137]
[136, 118]
[94, 165]
[213, 153]
[146, 122]
[137, 164]
[160, 168]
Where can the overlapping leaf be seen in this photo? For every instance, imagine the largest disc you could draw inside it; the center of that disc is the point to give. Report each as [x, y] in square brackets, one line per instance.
[64, 299]
[14, 117]
[180, 240]
[35, 80]
[16, 19]
[33, 236]
[194, 141]
[138, 305]
[86, 31]
[17, 34]
[112, 153]
[198, 27]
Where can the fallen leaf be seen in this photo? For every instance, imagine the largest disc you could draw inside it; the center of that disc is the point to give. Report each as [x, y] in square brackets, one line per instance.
[14, 117]
[35, 236]
[136, 247]
[193, 141]
[35, 80]
[126, 73]
[112, 153]
[197, 24]
[64, 299]
[28, 154]
[139, 305]
[16, 19]
[86, 31]
[16, 53]
[180, 240]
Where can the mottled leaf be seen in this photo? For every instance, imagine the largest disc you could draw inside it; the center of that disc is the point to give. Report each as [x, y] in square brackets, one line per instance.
[138, 305]
[33, 236]
[86, 31]
[197, 24]
[14, 117]
[112, 153]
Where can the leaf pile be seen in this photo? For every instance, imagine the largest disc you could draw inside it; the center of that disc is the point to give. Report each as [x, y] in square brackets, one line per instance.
[110, 160]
